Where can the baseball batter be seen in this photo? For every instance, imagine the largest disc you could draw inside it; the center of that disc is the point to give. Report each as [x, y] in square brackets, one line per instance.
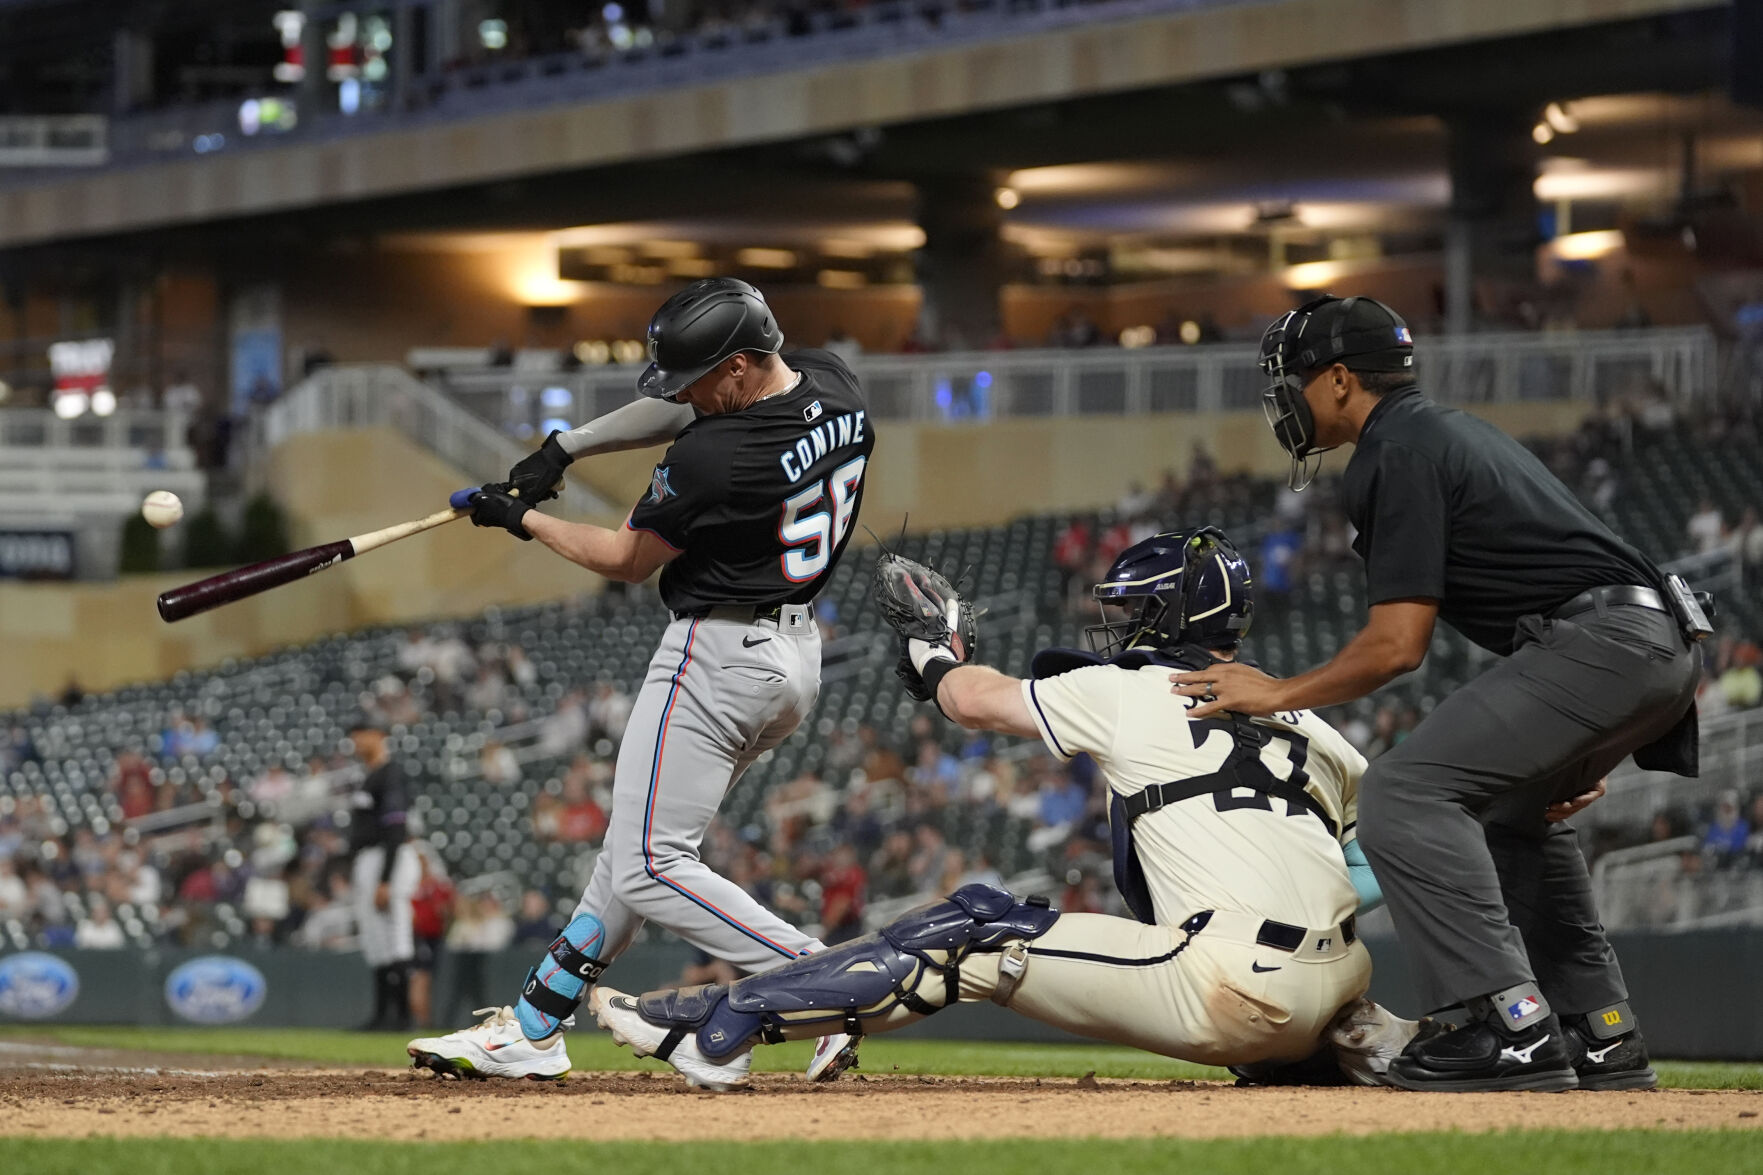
[747, 516]
[1232, 842]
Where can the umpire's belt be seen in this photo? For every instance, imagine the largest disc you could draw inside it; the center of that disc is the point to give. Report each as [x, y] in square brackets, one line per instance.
[1622, 596]
[1305, 946]
[791, 619]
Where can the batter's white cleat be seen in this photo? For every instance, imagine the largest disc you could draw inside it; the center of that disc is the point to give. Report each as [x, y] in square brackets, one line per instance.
[618, 1014]
[832, 1056]
[496, 1047]
[1366, 1037]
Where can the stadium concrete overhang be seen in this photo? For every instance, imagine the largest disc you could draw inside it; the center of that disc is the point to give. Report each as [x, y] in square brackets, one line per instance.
[1104, 89]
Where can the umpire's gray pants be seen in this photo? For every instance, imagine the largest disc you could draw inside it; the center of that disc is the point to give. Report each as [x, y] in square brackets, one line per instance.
[1480, 886]
[719, 694]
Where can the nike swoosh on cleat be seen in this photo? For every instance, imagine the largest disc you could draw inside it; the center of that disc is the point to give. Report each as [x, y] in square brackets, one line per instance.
[748, 642]
[1597, 1058]
[1260, 970]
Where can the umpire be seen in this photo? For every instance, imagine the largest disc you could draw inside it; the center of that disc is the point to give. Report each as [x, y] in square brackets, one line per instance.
[1457, 521]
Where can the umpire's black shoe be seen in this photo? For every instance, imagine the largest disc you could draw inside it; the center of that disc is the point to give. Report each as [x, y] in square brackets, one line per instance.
[1618, 1063]
[1485, 1055]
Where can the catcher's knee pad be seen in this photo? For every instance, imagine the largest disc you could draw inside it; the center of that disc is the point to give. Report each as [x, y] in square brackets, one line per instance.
[555, 987]
[913, 961]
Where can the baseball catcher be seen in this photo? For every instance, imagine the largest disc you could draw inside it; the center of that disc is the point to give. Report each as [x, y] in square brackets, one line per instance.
[1233, 847]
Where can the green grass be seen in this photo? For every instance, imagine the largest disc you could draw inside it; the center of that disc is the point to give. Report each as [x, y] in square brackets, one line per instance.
[1632, 1152]
[595, 1052]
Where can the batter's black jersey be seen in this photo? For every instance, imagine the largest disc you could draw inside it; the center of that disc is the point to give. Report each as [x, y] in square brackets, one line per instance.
[1450, 508]
[762, 501]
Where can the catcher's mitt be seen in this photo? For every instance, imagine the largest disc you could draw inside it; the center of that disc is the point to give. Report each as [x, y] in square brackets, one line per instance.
[919, 603]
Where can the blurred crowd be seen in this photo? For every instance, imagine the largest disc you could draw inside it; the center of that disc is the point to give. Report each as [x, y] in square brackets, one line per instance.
[180, 851]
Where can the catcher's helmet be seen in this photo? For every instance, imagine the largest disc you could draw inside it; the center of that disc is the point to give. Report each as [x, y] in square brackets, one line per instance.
[1361, 333]
[1189, 587]
[701, 326]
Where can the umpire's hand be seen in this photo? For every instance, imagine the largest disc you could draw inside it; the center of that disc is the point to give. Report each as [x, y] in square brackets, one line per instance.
[1561, 810]
[539, 473]
[1230, 686]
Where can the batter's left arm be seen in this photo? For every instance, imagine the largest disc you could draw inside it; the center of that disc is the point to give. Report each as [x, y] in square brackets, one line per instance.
[978, 697]
[630, 556]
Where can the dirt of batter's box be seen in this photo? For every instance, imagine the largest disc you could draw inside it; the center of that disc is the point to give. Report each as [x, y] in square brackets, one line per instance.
[406, 1105]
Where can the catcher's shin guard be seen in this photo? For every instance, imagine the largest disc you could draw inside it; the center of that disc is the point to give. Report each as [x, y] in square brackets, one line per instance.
[912, 962]
[555, 988]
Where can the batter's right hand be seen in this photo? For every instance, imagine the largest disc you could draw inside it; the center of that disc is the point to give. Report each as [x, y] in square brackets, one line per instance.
[539, 473]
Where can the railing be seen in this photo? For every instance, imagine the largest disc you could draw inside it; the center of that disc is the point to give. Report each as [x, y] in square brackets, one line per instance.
[1476, 369]
[80, 477]
[359, 397]
[148, 430]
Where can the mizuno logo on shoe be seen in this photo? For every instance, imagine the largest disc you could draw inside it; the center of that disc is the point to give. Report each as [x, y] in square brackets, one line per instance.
[1597, 1058]
[1522, 1056]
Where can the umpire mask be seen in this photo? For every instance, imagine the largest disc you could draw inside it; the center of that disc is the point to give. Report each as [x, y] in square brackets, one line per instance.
[1362, 333]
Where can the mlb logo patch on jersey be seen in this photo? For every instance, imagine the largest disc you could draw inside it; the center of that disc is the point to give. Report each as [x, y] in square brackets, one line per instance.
[658, 485]
[1404, 336]
[1523, 1008]
[812, 412]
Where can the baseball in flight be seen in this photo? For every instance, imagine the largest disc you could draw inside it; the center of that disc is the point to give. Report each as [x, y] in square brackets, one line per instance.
[162, 508]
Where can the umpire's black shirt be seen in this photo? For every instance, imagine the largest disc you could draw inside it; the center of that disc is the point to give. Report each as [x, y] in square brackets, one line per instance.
[1450, 508]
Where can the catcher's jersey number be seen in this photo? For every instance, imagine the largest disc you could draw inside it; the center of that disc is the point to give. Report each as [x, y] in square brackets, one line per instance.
[810, 535]
[1297, 754]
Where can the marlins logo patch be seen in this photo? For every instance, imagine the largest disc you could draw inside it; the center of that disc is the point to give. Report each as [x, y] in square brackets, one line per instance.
[659, 488]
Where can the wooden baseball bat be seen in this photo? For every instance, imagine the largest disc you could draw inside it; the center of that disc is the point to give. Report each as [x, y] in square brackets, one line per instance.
[210, 593]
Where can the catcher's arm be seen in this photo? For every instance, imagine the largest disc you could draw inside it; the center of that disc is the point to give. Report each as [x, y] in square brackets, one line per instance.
[938, 636]
[980, 698]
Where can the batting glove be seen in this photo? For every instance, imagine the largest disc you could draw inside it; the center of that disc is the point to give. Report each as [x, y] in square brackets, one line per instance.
[539, 473]
[491, 507]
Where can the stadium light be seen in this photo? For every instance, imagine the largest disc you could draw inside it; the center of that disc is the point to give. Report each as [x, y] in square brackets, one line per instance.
[103, 402]
[1588, 246]
[1312, 275]
[1559, 120]
[1542, 132]
[767, 258]
[1007, 198]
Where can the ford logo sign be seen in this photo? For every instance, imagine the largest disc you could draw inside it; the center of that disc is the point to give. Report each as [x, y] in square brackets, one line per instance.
[215, 989]
[34, 986]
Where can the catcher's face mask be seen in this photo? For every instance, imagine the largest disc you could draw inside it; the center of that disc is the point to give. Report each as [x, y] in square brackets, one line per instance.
[1184, 587]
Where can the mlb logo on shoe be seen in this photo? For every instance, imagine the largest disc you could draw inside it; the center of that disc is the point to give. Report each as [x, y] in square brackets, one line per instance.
[1523, 1008]
[1403, 335]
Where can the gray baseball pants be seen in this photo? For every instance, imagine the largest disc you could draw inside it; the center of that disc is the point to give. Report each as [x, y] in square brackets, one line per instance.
[720, 692]
[1485, 893]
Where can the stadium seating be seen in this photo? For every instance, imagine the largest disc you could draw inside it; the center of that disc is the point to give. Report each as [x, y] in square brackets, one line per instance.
[293, 708]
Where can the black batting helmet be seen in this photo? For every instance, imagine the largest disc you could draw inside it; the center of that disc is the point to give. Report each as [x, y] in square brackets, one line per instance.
[701, 326]
[1361, 333]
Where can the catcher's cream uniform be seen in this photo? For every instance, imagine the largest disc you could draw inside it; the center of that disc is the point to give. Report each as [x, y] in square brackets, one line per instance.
[1229, 873]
